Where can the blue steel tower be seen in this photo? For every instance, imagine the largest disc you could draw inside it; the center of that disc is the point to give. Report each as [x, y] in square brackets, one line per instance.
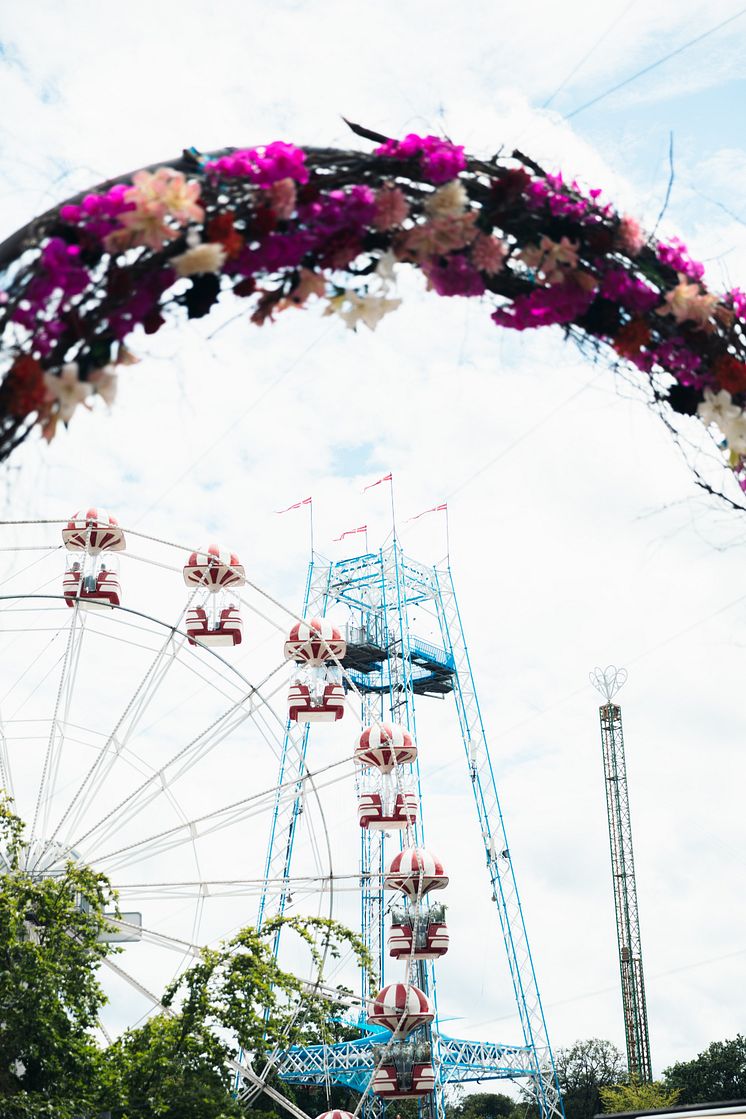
[394, 670]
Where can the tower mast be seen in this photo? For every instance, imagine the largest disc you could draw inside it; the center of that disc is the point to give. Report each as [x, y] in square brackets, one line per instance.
[608, 681]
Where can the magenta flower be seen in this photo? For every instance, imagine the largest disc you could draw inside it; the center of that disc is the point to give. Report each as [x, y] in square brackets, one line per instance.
[676, 254]
[675, 357]
[265, 165]
[561, 303]
[440, 160]
[630, 291]
[455, 276]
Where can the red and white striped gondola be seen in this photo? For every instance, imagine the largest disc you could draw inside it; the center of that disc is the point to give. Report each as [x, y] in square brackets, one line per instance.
[336, 1114]
[216, 621]
[401, 1008]
[385, 745]
[414, 872]
[418, 937]
[310, 704]
[91, 582]
[93, 530]
[404, 1074]
[392, 812]
[315, 641]
[316, 693]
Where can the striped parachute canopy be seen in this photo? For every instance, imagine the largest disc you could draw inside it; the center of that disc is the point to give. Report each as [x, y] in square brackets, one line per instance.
[93, 530]
[315, 641]
[384, 745]
[211, 568]
[401, 1008]
[414, 871]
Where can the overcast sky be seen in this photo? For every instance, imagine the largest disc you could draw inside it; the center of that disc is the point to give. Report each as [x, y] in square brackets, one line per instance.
[577, 534]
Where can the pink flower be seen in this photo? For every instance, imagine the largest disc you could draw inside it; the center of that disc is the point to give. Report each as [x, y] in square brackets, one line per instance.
[488, 253]
[433, 238]
[631, 237]
[392, 208]
[157, 198]
[687, 303]
[282, 197]
[552, 259]
[264, 165]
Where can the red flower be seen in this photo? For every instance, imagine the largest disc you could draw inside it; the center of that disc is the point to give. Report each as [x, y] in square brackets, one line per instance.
[220, 229]
[631, 338]
[731, 373]
[24, 390]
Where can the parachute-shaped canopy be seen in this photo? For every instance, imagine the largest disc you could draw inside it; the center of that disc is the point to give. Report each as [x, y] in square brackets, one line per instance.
[415, 872]
[385, 745]
[93, 530]
[315, 641]
[337, 1114]
[400, 1007]
[209, 567]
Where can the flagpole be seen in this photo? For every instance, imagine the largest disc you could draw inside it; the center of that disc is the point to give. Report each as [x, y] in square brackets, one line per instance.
[393, 513]
[366, 540]
[448, 539]
[310, 519]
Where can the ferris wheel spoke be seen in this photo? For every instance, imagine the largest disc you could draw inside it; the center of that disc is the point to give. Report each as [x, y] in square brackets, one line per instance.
[213, 821]
[56, 736]
[6, 773]
[137, 985]
[125, 727]
[161, 780]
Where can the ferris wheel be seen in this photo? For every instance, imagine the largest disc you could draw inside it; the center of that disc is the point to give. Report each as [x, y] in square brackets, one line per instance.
[142, 715]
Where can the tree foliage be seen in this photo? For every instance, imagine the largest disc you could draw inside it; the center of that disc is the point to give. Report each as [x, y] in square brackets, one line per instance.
[178, 1065]
[634, 1096]
[50, 995]
[718, 1073]
[483, 1105]
[582, 1070]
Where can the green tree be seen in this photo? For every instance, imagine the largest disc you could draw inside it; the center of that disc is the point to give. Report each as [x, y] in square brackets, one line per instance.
[582, 1070]
[177, 1066]
[718, 1073]
[50, 996]
[483, 1105]
[634, 1096]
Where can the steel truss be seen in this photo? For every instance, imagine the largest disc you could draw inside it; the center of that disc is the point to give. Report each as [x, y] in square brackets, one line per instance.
[623, 875]
[391, 667]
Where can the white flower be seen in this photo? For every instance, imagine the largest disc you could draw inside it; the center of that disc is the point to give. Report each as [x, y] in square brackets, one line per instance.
[448, 201]
[385, 270]
[69, 391]
[734, 431]
[368, 309]
[105, 382]
[718, 408]
[208, 257]
[18, 1068]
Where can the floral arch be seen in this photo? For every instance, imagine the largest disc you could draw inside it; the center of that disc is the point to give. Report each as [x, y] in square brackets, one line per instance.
[280, 225]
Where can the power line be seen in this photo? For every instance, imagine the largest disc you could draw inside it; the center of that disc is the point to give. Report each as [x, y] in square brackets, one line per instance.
[655, 65]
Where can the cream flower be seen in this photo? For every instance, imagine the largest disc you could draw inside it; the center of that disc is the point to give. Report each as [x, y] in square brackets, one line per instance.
[105, 382]
[208, 257]
[448, 201]
[687, 303]
[156, 196]
[718, 408]
[553, 259]
[734, 431]
[367, 309]
[68, 390]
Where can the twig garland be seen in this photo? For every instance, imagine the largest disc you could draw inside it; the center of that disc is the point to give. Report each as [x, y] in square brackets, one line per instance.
[281, 225]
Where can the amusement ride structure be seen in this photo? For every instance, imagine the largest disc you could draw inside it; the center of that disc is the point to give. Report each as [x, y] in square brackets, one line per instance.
[391, 670]
[608, 681]
[117, 798]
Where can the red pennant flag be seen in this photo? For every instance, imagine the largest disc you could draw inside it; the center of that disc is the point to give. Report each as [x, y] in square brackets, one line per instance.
[386, 478]
[435, 509]
[351, 532]
[305, 501]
